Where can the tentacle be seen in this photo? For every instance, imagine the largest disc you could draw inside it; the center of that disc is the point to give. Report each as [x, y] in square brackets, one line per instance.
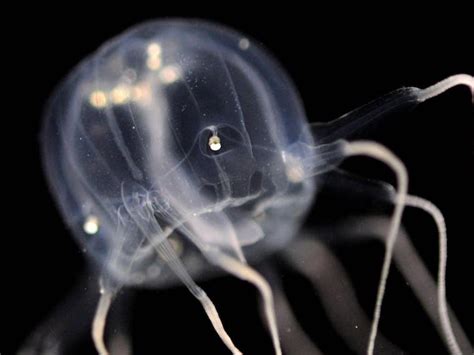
[399, 100]
[314, 260]
[118, 324]
[453, 335]
[166, 251]
[295, 341]
[142, 211]
[100, 318]
[446, 327]
[377, 151]
[247, 273]
[446, 84]
[411, 266]
[342, 149]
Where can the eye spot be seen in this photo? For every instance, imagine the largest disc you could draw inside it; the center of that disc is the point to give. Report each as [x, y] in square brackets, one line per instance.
[220, 140]
[215, 143]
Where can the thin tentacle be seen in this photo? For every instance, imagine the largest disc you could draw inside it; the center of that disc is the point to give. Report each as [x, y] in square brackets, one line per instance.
[379, 152]
[402, 99]
[411, 266]
[295, 341]
[247, 273]
[446, 84]
[166, 251]
[431, 209]
[316, 262]
[100, 318]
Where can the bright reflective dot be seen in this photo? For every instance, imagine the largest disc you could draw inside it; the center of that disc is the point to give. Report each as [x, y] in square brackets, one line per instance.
[98, 99]
[153, 63]
[120, 94]
[169, 74]
[154, 49]
[244, 44]
[295, 173]
[294, 169]
[141, 92]
[215, 143]
[91, 225]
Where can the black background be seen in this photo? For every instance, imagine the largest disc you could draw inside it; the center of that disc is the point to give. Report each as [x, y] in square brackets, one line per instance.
[338, 63]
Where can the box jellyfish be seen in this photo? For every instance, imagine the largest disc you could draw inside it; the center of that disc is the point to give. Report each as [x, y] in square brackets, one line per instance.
[180, 150]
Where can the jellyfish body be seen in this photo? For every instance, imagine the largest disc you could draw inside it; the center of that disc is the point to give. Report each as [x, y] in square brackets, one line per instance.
[180, 129]
[129, 151]
[180, 149]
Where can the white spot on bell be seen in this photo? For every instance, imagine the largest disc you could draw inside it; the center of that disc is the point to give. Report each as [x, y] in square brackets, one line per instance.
[91, 225]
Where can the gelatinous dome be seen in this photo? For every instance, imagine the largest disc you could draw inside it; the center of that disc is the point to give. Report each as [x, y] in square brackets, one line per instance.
[178, 126]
